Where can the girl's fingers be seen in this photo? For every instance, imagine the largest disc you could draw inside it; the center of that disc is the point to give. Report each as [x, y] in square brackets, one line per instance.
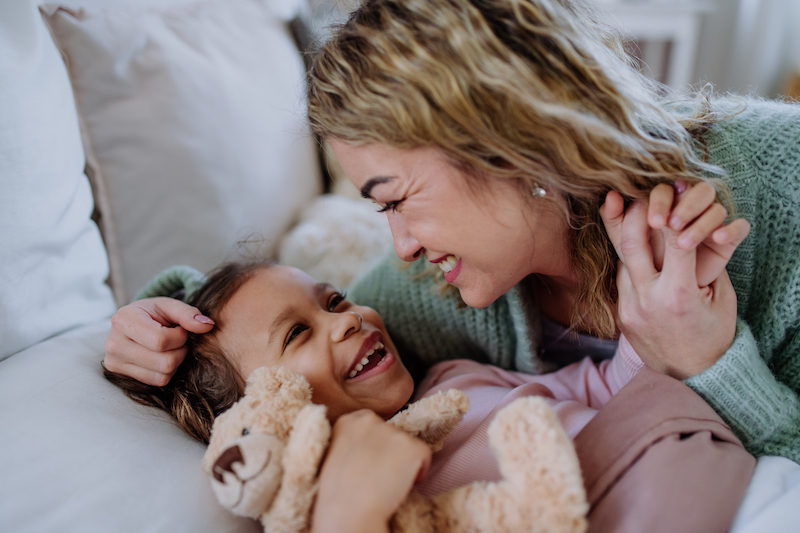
[691, 205]
[661, 199]
[702, 227]
[634, 244]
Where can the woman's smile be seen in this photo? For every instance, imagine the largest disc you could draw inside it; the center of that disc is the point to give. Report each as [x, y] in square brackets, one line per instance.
[485, 235]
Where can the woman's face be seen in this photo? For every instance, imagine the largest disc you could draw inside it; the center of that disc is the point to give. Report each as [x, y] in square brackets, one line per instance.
[281, 316]
[486, 240]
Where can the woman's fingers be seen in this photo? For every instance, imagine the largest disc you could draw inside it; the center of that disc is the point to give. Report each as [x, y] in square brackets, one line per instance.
[146, 342]
[691, 205]
[703, 226]
[613, 213]
[732, 234]
[634, 245]
[661, 198]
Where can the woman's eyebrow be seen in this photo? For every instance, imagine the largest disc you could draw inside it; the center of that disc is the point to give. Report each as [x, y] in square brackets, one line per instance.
[366, 189]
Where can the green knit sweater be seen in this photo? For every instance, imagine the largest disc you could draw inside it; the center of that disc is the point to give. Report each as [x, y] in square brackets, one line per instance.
[754, 386]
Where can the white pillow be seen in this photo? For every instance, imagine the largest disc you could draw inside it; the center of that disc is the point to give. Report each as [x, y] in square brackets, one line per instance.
[52, 262]
[193, 119]
[79, 456]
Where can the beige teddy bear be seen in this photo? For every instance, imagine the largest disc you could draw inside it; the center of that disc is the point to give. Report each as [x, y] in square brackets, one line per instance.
[266, 450]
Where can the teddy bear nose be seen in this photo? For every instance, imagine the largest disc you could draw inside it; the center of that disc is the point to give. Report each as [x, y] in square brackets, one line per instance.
[225, 462]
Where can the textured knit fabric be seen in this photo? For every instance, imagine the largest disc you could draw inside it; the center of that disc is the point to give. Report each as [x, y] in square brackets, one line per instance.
[575, 393]
[171, 281]
[754, 386]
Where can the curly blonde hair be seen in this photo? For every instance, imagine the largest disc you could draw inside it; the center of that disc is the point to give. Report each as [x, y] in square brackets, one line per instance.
[532, 90]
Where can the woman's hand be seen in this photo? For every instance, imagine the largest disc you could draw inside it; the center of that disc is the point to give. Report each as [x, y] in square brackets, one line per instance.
[369, 470]
[701, 223]
[678, 324]
[147, 338]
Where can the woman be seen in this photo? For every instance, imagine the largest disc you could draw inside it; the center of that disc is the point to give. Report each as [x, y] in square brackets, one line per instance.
[500, 136]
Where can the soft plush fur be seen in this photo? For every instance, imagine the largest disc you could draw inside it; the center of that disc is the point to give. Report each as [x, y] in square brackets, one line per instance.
[265, 454]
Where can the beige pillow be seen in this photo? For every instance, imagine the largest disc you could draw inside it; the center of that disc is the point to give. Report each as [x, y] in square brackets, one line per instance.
[193, 123]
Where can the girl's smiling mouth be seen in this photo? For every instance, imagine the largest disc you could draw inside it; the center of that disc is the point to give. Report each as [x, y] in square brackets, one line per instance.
[372, 359]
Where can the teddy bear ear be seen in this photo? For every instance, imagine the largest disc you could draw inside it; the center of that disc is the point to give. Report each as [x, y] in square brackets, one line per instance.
[274, 381]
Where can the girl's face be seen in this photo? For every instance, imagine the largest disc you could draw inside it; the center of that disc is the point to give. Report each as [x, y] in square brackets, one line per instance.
[281, 316]
[485, 240]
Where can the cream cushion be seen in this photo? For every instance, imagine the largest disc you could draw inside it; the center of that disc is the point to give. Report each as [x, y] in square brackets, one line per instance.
[194, 128]
[52, 262]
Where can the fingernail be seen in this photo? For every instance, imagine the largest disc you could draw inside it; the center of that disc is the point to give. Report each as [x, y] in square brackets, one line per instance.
[685, 242]
[203, 319]
[681, 186]
[675, 223]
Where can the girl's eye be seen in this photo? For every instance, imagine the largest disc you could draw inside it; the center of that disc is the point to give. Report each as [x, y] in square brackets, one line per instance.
[335, 300]
[296, 330]
[390, 205]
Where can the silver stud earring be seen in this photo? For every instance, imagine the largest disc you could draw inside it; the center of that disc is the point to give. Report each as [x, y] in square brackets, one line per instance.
[538, 192]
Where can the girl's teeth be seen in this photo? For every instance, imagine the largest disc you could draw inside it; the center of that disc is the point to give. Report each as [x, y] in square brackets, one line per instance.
[449, 263]
[365, 360]
[353, 373]
[359, 366]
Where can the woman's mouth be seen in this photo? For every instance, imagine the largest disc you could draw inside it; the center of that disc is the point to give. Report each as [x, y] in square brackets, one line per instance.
[375, 356]
[451, 266]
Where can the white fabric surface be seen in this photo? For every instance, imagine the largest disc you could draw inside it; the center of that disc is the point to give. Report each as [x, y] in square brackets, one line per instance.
[772, 501]
[79, 456]
[52, 262]
[194, 125]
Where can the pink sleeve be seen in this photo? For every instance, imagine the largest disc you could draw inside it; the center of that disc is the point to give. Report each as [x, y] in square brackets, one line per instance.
[575, 393]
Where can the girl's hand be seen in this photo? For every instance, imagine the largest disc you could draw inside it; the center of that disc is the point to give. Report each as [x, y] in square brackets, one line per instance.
[701, 223]
[147, 338]
[369, 470]
[677, 326]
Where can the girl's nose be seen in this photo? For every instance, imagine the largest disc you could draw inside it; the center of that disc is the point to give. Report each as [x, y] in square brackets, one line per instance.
[406, 246]
[346, 324]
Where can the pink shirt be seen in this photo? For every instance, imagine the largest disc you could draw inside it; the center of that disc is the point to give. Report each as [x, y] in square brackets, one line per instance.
[575, 392]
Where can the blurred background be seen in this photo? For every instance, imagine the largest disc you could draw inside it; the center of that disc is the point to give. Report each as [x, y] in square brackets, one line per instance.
[747, 47]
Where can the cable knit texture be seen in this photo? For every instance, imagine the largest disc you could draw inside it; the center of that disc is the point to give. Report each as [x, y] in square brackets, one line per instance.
[754, 386]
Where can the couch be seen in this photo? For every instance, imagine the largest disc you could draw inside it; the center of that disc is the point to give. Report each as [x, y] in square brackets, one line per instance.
[135, 135]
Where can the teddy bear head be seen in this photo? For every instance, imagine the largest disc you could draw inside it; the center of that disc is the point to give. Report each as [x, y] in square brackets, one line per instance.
[247, 455]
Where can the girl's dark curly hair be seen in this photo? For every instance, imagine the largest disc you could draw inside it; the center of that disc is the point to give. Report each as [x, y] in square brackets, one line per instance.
[207, 382]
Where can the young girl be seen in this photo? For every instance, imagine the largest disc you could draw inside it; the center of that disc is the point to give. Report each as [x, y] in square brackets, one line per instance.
[268, 315]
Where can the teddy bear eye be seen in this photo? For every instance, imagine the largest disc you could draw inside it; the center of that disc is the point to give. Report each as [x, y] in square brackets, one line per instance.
[245, 431]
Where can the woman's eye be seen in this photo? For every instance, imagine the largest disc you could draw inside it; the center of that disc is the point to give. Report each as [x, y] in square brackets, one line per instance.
[296, 330]
[390, 205]
[335, 300]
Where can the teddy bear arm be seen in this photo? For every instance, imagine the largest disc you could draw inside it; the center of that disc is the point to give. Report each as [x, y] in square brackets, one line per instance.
[308, 442]
[433, 418]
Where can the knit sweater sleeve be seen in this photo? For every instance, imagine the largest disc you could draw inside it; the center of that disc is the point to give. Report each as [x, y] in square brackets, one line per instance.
[755, 385]
[173, 280]
[762, 411]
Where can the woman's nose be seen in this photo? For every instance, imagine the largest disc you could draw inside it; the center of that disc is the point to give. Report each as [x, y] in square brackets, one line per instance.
[346, 324]
[406, 246]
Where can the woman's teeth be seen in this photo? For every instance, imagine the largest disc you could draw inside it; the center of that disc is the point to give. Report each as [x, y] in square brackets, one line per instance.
[365, 360]
[448, 263]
